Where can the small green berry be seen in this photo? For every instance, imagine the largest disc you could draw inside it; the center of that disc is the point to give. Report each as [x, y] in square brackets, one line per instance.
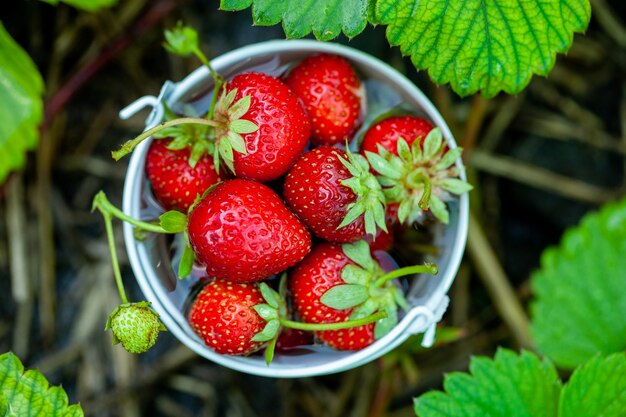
[135, 325]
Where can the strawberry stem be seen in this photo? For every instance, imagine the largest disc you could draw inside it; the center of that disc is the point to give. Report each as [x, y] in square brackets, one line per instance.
[407, 270]
[108, 224]
[101, 202]
[316, 327]
[217, 78]
[131, 144]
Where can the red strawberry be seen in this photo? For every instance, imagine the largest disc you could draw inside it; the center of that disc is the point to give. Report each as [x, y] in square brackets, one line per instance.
[416, 175]
[223, 315]
[337, 283]
[335, 195]
[275, 128]
[331, 92]
[174, 181]
[387, 132]
[242, 232]
[309, 280]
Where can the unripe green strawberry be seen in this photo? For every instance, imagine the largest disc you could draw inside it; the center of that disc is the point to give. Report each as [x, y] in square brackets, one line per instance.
[135, 325]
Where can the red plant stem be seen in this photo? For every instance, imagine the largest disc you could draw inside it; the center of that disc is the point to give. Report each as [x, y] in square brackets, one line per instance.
[60, 99]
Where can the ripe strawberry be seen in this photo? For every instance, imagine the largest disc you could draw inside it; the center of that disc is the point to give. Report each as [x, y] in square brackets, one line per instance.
[223, 315]
[175, 182]
[417, 175]
[335, 195]
[335, 283]
[387, 132]
[242, 232]
[292, 338]
[265, 102]
[331, 92]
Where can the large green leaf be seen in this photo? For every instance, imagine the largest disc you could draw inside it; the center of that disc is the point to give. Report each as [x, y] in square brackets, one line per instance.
[580, 305]
[88, 5]
[28, 394]
[325, 18]
[21, 89]
[511, 385]
[597, 389]
[488, 45]
[524, 386]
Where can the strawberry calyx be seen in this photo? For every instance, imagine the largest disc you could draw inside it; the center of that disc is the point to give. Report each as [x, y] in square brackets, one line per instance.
[370, 198]
[368, 289]
[230, 126]
[219, 132]
[275, 313]
[420, 177]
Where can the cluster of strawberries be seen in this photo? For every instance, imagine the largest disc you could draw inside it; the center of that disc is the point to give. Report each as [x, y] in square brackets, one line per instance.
[284, 217]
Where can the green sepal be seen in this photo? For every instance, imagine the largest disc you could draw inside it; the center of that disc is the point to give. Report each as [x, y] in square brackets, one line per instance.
[269, 295]
[173, 221]
[365, 309]
[439, 209]
[352, 274]
[243, 126]
[236, 142]
[404, 152]
[269, 331]
[359, 252]
[384, 326]
[399, 299]
[186, 261]
[382, 166]
[266, 311]
[241, 107]
[449, 158]
[225, 150]
[198, 149]
[345, 296]
[181, 40]
[432, 144]
[455, 186]
[269, 350]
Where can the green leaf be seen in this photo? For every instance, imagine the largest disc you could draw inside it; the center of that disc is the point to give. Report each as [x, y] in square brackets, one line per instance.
[597, 388]
[173, 221]
[87, 5]
[28, 393]
[510, 385]
[487, 45]
[345, 296]
[21, 90]
[325, 18]
[580, 290]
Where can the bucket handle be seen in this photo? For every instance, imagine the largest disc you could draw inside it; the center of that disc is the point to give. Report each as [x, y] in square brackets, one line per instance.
[156, 115]
[424, 320]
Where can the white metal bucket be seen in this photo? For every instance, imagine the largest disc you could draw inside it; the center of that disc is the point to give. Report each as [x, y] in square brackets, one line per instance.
[150, 259]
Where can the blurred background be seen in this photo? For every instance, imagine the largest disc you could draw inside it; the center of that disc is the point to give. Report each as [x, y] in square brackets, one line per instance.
[539, 161]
